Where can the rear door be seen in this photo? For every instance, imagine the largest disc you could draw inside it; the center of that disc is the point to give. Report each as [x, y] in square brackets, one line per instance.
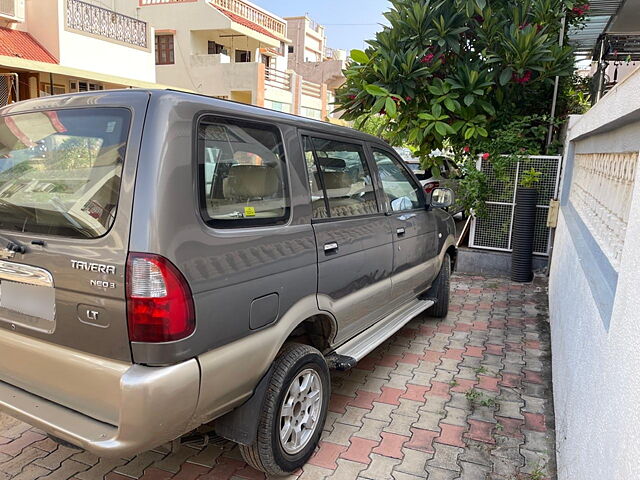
[355, 246]
[413, 226]
[67, 170]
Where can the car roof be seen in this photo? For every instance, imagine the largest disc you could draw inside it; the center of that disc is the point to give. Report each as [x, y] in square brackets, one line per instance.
[223, 105]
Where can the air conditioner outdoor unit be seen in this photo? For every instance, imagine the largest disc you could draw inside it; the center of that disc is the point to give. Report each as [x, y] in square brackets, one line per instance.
[12, 10]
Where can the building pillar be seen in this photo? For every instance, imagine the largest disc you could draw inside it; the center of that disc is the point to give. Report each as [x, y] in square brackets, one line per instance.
[296, 93]
[259, 100]
[325, 107]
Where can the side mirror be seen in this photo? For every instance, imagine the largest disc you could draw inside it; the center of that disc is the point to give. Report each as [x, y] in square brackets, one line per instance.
[442, 197]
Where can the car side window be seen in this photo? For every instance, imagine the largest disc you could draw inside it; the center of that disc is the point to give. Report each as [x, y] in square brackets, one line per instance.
[339, 178]
[242, 173]
[400, 189]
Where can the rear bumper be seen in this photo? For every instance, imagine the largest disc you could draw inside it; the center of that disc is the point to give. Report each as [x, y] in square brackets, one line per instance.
[147, 406]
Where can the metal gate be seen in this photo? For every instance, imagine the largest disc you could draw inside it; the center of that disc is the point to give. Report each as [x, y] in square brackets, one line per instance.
[8, 88]
[494, 231]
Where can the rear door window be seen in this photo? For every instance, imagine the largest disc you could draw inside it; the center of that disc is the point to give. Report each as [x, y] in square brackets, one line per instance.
[400, 189]
[60, 170]
[242, 174]
[339, 178]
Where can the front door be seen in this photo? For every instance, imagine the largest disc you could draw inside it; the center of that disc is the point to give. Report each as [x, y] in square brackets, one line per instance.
[353, 236]
[413, 227]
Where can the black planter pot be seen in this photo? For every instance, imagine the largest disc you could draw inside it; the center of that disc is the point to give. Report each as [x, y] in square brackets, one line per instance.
[522, 235]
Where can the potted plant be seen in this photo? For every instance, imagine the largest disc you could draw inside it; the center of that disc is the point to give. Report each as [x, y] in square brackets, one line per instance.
[524, 226]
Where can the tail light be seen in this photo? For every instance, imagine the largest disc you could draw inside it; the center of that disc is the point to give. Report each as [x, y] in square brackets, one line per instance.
[429, 186]
[159, 301]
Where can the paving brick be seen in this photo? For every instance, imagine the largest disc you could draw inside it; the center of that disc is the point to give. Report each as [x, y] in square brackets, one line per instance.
[380, 467]
[413, 462]
[353, 416]
[135, 468]
[326, 455]
[446, 457]
[347, 469]
[337, 403]
[390, 395]
[400, 424]
[207, 457]
[309, 472]
[535, 422]
[381, 411]
[191, 471]
[16, 446]
[391, 445]
[54, 460]
[438, 389]
[422, 440]
[25, 457]
[480, 431]
[341, 434]
[156, 474]
[456, 416]
[415, 392]
[451, 435]
[510, 380]
[430, 420]
[462, 385]
[532, 377]
[100, 469]
[371, 429]
[67, 469]
[473, 471]
[30, 472]
[359, 450]
[476, 452]
[225, 469]
[48, 445]
[372, 385]
[488, 383]
[510, 409]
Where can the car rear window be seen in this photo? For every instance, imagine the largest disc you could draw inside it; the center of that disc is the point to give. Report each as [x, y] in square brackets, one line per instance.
[242, 172]
[60, 170]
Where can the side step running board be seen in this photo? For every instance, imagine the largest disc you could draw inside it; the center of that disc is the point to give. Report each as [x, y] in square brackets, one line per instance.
[348, 354]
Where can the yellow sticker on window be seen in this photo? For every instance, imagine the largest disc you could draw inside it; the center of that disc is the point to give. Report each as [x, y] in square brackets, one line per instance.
[249, 212]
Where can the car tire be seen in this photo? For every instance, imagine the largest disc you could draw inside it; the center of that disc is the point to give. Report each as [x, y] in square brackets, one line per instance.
[287, 403]
[440, 290]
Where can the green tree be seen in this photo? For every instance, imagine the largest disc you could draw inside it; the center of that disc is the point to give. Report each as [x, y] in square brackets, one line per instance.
[444, 73]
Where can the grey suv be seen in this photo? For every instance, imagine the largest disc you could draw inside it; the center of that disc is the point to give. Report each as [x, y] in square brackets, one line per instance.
[169, 260]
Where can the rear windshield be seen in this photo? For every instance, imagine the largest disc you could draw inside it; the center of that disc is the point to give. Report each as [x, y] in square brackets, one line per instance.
[60, 170]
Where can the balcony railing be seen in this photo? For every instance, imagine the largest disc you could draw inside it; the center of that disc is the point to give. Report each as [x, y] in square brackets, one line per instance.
[311, 89]
[106, 23]
[252, 14]
[601, 192]
[276, 78]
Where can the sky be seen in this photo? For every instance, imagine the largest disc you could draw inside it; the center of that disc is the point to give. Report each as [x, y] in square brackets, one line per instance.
[349, 23]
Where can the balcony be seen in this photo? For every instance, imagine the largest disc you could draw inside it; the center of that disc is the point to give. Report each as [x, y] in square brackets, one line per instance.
[12, 10]
[252, 14]
[101, 22]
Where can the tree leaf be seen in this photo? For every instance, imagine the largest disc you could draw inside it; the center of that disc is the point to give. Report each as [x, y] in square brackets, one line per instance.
[359, 56]
[426, 116]
[390, 107]
[435, 90]
[435, 172]
[376, 90]
[441, 128]
[437, 110]
[468, 100]
[505, 76]
[451, 106]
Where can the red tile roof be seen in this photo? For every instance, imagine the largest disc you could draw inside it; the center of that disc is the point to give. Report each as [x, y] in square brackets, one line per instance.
[14, 43]
[246, 23]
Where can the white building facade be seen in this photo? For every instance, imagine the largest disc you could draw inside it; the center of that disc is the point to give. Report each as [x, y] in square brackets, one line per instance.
[593, 292]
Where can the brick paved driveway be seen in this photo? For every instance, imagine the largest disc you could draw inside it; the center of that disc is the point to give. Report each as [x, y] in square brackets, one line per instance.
[466, 397]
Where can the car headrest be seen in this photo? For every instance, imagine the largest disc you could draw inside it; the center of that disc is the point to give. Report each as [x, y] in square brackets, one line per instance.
[253, 181]
[329, 162]
[336, 180]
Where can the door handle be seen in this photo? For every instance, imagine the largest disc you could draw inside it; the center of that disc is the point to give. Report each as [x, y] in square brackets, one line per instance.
[400, 231]
[330, 247]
